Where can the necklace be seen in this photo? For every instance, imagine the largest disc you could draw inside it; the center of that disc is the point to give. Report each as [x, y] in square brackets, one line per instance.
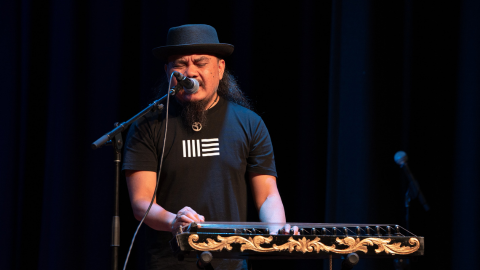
[215, 101]
[197, 126]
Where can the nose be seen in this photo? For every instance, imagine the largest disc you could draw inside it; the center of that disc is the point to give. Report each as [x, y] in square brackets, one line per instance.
[191, 71]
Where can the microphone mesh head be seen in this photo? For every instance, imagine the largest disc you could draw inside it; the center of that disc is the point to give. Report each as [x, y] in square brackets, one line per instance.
[400, 158]
[194, 88]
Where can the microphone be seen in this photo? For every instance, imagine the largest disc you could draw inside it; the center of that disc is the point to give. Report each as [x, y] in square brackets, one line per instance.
[401, 159]
[190, 85]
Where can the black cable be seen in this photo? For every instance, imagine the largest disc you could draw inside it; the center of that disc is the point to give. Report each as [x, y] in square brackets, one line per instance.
[158, 174]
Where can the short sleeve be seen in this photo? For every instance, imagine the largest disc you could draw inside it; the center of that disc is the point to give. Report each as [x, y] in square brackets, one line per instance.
[140, 151]
[261, 159]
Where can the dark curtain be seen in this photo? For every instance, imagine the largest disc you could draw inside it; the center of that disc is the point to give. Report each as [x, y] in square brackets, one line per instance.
[404, 76]
[341, 85]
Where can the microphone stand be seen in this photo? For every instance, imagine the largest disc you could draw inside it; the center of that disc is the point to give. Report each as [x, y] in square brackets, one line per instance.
[114, 138]
[413, 192]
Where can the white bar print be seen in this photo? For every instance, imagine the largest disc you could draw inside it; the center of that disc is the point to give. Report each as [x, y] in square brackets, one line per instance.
[198, 148]
[193, 148]
[209, 144]
[211, 154]
[210, 140]
[184, 152]
[211, 149]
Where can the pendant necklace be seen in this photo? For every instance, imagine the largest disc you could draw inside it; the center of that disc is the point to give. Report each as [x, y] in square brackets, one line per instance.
[197, 126]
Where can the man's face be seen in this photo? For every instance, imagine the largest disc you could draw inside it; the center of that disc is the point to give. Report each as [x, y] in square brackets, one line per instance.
[206, 69]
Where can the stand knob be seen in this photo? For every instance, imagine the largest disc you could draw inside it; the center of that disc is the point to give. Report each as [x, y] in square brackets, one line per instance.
[350, 261]
[204, 260]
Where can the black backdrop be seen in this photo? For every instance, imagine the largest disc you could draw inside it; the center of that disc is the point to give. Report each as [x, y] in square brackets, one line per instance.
[341, 85]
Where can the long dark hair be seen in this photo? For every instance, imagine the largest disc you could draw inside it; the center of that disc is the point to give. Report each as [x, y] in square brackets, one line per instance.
[227, 88]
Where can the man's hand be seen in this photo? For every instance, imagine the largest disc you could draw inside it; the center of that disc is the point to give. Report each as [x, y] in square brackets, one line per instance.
[284, 230]
[184, 217]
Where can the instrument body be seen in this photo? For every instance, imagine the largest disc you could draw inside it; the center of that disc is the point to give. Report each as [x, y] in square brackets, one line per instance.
[254, 240]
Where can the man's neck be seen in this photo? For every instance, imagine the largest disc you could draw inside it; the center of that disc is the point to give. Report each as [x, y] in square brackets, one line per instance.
[213, 102]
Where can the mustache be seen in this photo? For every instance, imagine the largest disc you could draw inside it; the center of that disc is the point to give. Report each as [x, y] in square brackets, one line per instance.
[178, 87]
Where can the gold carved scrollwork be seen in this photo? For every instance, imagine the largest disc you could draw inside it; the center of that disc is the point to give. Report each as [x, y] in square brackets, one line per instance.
[383, 245]
[304, 245]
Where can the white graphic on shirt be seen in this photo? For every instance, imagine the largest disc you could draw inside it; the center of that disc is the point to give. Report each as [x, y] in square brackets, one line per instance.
[201, 148]
[197, 126]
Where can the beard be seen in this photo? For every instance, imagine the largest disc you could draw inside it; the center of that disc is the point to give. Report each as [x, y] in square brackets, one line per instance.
[195, 111]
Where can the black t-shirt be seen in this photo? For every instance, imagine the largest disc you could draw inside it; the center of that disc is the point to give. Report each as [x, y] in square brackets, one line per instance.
[203, 169]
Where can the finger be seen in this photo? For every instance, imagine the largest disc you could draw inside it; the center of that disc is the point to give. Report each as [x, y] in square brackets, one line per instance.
[197, 217]
[202, 218]
[184, 218]
[295, 230]
[180, 224]
[188, 209]
[184, 210]
[287, 229]
[193, 217]
[275, 228]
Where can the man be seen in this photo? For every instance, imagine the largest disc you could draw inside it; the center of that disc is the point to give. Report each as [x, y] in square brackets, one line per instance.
[213, 142]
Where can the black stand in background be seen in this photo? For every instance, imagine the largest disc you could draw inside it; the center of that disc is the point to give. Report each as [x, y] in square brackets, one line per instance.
[114, 138]
[413, 192]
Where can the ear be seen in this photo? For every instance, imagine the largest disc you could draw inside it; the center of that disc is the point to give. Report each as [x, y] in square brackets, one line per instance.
[221, 68]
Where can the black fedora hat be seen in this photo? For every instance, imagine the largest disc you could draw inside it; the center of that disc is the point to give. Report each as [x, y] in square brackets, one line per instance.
[193, 39]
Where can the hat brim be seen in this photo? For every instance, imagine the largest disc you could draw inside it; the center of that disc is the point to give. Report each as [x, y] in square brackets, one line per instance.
[220, 50]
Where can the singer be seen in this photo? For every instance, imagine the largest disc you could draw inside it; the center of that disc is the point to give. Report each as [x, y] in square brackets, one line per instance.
[214, 145]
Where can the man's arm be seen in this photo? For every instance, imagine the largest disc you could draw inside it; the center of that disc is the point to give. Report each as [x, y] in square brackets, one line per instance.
[267, 199]
[141, 185]
[269, 203]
